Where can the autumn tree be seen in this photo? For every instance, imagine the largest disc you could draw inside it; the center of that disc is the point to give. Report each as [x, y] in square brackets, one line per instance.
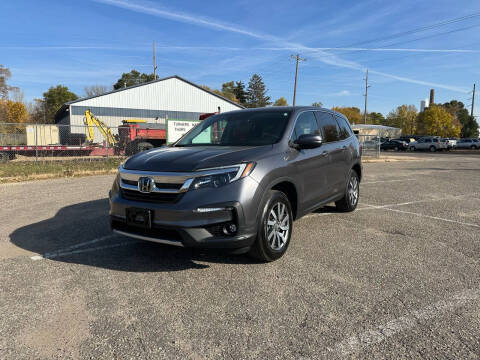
[257, 93]
[54, 98]
[280, 102]
[353, 114]
[95, 90]
[131, 78]
[405, 118]
[437, 121]
[462, 118]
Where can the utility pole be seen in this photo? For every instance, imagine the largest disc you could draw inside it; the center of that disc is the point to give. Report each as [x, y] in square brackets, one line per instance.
[297, 59]
[154, 63]
[473, 100]
[366, 98]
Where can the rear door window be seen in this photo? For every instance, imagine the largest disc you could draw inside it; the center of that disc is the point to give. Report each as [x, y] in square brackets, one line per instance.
[344, 128]
[330, 128]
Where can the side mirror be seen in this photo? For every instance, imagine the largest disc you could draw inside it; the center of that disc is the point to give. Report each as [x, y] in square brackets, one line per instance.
[308, 141]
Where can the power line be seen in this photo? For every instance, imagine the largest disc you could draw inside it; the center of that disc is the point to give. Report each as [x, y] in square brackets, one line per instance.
[419, 29]
[297, 59]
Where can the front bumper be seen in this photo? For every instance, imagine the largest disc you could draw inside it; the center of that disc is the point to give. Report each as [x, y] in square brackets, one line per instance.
[181, 224]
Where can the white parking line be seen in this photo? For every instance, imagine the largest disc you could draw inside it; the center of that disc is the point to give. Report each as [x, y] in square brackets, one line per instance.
[75, 246]
[360, 341]
[388, 206]
[386, 181]
[66, 253]
[423, 215]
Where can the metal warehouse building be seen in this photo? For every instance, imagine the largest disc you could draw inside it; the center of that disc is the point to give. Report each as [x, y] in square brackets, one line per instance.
[168, 98]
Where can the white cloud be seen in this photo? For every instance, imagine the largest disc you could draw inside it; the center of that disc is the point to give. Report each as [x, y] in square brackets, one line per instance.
[317, 53]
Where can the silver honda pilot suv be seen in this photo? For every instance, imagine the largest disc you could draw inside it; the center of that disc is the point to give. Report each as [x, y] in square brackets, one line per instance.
[238, 180]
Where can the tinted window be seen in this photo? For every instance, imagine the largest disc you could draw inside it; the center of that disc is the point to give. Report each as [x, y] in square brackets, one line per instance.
[329, 126]
[246, 128]
[306, 124]
[344, 128]
[428, 140]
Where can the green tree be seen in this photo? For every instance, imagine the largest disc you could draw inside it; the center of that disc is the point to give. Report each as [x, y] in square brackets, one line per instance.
[54, 98]
[437, 121]
[257, 93]
[317, 104]
[468, 124]
[133, 78]
[280, 102]
[353, 114]
[376, 118]
[240, 93]
[405, 118]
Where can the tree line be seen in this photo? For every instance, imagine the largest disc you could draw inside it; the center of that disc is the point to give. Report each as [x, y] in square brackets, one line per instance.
[450, 119]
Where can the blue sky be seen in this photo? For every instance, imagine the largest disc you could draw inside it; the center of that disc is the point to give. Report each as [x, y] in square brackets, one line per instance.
[87, 42]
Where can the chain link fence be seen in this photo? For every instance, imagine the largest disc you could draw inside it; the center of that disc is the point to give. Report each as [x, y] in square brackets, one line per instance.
[370, 145]
[49, 142]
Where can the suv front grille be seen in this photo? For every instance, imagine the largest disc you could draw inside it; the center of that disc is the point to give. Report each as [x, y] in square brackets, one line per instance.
[161, 198]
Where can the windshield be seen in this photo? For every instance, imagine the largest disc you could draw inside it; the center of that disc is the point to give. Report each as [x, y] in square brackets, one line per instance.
[248, 128]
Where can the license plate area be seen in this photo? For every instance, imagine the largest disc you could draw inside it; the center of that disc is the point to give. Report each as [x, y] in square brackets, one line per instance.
[141, 218]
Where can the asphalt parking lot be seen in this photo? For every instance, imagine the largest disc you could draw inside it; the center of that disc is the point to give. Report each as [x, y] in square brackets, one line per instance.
[398, 278]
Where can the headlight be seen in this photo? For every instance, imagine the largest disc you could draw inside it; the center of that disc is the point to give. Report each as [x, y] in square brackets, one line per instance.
[222, 176]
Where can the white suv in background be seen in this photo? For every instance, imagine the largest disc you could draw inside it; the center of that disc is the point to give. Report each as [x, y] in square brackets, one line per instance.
[468, 144]
[428, 143]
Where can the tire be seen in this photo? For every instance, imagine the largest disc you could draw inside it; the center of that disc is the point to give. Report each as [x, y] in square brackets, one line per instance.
[273, 238]
[349, 201]
[432, 148]
[412, 148]
[395, 148]
[473, 147]
[143, 146]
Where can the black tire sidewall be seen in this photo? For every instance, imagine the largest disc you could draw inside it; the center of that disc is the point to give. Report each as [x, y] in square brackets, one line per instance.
[265, 251]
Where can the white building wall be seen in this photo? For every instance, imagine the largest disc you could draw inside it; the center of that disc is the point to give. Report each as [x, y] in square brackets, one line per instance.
[172, 94]
[171, 98]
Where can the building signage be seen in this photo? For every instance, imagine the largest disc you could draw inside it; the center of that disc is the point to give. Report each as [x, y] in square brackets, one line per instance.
[177, 128]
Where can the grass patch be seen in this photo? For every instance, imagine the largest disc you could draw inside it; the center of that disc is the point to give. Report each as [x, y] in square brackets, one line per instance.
[14, 171]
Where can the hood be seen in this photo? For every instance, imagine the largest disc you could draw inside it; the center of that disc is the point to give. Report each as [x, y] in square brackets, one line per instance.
[184, 159]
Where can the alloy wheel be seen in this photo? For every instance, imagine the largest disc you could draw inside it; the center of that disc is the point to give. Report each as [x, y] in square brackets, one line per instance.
[353, 190]
[278, 226]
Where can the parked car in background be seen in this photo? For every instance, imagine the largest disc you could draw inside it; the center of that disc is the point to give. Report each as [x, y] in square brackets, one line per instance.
[429, 143]
[451, 143]
[396, 145]
[407, 139]
[468, 144]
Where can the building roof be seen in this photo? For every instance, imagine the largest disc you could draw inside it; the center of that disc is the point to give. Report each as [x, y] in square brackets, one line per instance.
[65, 106]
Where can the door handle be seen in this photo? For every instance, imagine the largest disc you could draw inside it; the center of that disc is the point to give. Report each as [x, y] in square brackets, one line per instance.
[325, 153]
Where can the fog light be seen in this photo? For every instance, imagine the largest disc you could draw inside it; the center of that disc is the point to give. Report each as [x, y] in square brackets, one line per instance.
[230, 229]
